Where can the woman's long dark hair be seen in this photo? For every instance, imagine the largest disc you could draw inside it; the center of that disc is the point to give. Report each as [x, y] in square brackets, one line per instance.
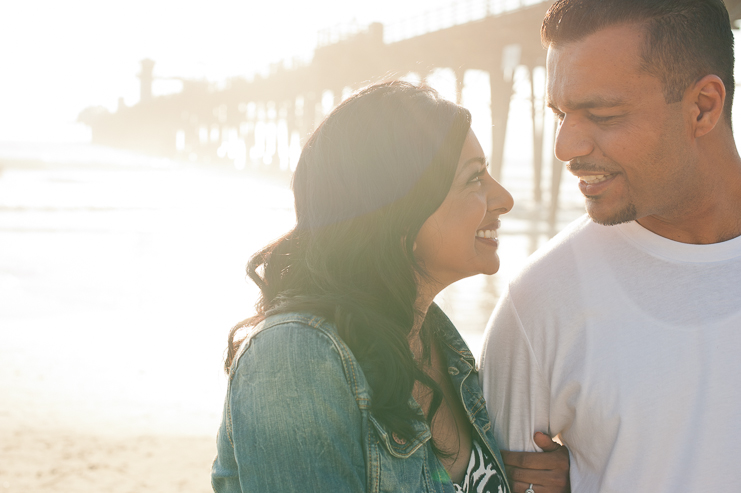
[380, 164]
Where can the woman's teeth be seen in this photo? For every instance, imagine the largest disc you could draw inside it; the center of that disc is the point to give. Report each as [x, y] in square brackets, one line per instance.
[594, 178]
[486, 233]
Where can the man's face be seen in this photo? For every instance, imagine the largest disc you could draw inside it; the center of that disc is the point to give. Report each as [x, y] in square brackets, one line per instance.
[630, 149]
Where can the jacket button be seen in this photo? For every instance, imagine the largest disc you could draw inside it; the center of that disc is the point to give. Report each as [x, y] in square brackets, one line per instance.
[453, 370]
[398, 439]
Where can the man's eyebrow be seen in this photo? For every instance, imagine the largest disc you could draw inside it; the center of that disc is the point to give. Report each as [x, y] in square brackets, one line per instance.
[585, 104]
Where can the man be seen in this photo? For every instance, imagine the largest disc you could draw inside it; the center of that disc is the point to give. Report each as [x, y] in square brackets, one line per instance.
[623, 334]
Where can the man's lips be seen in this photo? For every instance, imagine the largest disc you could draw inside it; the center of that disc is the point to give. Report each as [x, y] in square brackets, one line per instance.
[594, 183]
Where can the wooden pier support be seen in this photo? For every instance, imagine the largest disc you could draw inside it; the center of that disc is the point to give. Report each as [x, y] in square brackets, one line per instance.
[538, 116]
[501, 96]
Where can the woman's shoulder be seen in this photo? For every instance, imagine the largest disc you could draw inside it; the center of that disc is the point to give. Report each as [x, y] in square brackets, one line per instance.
[301, 341]
[288, 330]
[296, 320]
[291, 325]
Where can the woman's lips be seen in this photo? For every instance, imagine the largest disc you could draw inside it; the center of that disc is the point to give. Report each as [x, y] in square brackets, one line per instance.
[488, 241]
[488, 234]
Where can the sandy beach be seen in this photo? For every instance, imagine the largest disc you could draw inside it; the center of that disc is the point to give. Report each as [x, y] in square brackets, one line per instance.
[56, 461]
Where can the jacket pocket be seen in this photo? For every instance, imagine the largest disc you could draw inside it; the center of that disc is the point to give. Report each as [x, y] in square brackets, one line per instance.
[401, 466]
[400, 447]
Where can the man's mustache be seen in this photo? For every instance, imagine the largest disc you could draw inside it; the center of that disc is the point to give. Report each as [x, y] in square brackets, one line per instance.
[577, 166]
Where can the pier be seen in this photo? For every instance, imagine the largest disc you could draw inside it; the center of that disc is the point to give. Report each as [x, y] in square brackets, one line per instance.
[263, 122]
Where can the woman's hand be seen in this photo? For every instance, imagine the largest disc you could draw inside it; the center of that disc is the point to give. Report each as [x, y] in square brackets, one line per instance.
[547, 471]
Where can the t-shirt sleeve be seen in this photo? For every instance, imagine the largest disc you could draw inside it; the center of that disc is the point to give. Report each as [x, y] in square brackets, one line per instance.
[517, 397]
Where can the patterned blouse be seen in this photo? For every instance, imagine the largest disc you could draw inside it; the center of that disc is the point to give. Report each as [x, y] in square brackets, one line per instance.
[481, 475]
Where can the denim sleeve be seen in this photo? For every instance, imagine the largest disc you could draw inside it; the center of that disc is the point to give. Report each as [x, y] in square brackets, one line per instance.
[291, 418]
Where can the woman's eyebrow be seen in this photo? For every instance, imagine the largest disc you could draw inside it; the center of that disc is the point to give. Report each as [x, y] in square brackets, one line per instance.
[477, 159]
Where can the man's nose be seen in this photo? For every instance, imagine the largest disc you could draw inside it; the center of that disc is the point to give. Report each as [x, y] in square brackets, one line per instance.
[572, 140]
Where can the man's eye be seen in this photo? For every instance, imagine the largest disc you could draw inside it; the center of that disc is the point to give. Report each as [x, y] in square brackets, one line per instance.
[601, 119]
[558, 114]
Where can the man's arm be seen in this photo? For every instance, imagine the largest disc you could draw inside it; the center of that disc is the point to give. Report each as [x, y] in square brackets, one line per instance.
[518, 401]
[514, 385]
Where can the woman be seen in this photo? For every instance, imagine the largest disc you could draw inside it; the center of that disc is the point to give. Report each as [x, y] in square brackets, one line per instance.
[350, 378]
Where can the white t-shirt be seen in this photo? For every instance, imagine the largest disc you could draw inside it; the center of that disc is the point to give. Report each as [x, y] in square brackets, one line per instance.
[629, 345]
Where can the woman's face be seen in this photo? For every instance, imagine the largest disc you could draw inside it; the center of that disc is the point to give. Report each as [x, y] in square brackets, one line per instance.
[460, 238]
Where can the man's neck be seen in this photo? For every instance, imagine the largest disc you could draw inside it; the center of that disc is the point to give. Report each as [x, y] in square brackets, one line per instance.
[714, 220]
[697, 234]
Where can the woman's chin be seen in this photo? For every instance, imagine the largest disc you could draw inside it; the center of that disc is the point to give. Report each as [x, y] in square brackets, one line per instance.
[487, 270]
[491, 267]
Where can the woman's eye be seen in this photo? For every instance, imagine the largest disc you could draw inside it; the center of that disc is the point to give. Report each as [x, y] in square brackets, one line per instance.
[477, 178]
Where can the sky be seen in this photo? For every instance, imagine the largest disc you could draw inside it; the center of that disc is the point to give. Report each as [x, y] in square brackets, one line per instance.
[60, 56]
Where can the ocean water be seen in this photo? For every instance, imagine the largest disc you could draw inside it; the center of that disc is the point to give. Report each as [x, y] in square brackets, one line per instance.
[120, 276]
[119, 283]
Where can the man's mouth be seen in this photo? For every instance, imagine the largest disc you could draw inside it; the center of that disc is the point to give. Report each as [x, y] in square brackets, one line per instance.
[594, 185]
[593, 179]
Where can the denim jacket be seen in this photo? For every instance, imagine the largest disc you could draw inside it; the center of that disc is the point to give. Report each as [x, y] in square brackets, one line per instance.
[297, 416]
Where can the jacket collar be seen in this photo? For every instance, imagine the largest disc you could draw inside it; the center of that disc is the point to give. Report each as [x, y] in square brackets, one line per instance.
[446, 333]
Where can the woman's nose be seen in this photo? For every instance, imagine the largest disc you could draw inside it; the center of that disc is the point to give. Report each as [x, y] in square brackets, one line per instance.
[499, 199]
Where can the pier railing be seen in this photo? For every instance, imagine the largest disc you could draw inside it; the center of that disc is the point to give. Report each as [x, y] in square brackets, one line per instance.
[460, 12]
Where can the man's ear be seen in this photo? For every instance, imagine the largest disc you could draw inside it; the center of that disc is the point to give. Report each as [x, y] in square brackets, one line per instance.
[708, 96]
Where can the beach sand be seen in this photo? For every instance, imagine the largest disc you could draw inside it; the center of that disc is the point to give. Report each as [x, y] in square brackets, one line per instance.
[49, 461]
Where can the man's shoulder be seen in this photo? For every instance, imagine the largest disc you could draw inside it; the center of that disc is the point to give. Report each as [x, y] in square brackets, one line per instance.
[558, 253]
[547, 288]
[554, 267]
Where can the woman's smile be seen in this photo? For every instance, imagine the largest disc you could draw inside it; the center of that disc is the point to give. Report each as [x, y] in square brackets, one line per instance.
[460, 238]
[488, 234]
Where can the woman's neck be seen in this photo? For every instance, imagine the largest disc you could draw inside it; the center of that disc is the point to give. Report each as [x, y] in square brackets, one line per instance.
[425, 296]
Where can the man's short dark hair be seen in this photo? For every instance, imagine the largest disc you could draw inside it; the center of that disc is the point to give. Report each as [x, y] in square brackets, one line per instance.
[685, 39]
